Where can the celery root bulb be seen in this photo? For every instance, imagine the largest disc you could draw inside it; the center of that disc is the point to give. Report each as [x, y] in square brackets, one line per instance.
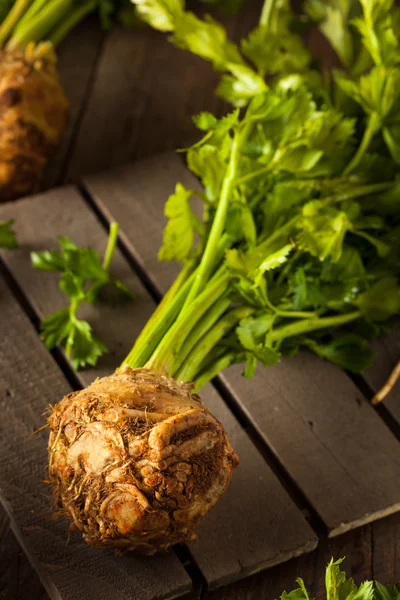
[136, 460]
[33, 116]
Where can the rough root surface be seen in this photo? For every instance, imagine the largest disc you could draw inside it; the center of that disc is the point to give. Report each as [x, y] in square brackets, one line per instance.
[33, 116]
[136, 461]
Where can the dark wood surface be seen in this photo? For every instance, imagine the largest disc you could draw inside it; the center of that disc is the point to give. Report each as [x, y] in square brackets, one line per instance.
[132, 96]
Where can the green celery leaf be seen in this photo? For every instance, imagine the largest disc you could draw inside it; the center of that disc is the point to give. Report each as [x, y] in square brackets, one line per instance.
[391, 135]
[49, 260]
[240, 223]
[307, 290]
[348, 351]
[160, 14]
[219, 127]
[208, 163]
[273, 261]
[82, 347]
[300, 593]
[297, 158]
[323, 229]
[205, 121]
[8, 238]
[56, 328]
[85, 263]
[241, 86]
[349, 267]
[333, 19]
[389, 592]
[178, 234]
[251, 333]
[330, 131]
[376, 29]
[380, 302]
[206, 38]
[283, 199]
[273, 53]
[66, 244]
[72, 286]
[377, 92]
[338, 587]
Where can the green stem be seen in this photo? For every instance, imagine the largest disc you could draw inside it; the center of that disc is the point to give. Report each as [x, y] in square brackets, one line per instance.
[219, 220]
[269, 245]
[157, 327]
[252, 175]
[373, 126]
[71, 21]
[33, 10]
[266, 13]
[307, 325]
[73, 309]
[41, 24]
[212, 371]
[164, 356]
[363, 190]
[206, 344]
[12, 19]
[168, 311]
[215, 312]
[112, 242]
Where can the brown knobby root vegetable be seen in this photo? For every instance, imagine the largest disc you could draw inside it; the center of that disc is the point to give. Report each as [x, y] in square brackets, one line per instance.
[136, 460]
[33, 106]
[33, 116]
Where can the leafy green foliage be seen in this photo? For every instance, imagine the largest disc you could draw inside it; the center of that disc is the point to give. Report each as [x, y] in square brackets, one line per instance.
[5, 6]
[179, 231]
[301, 190]
[339, 587]
[333, 17]
[83, 275]
[8, 238]
[349, 351]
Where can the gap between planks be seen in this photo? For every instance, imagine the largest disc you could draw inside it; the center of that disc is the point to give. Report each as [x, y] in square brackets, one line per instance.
[240, 536]
[350, 443]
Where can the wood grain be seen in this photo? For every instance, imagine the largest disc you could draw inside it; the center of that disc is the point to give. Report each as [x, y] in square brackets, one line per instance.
[354, 545]
[228, 547]
[77, 57]
[317, 423]
[386, 550]
[30, 380]
[144, 96]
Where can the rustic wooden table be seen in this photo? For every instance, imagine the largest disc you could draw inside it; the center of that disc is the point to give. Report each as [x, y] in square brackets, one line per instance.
[132, 95]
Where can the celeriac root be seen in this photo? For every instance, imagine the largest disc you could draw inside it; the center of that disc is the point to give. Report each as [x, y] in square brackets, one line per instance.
[136, 460]
[33, 116]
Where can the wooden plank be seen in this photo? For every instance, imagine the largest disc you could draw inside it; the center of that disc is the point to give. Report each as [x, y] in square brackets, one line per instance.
[17, 577]
[355, 545]
[30, 380]
[309, 412]
[270, 529]
[77, 58]
[386, 550]
[9, 559]
[144, 95]
[387, 348]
